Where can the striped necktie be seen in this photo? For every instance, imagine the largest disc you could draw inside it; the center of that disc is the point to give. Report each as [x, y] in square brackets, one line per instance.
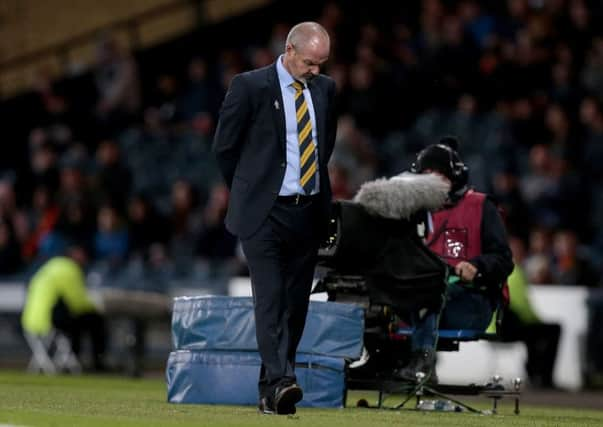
[307, 151]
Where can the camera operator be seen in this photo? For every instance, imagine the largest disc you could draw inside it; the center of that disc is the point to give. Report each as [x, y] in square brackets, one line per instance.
[467, 233]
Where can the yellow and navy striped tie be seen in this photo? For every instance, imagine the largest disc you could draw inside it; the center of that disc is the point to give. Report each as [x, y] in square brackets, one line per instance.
[307, 152]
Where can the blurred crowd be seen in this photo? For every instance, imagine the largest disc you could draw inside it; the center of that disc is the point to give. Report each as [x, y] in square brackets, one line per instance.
[130, 175]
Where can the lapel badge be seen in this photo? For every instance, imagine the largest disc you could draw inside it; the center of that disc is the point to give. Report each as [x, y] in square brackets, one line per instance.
[276, 105]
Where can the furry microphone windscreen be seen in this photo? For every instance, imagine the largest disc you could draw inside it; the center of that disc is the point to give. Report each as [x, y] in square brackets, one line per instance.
[450, 141]
[403, 195]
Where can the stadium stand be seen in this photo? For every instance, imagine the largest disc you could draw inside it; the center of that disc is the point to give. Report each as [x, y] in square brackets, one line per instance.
[119, 158]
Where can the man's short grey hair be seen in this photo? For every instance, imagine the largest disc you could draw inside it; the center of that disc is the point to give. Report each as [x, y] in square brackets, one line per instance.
[303, 32]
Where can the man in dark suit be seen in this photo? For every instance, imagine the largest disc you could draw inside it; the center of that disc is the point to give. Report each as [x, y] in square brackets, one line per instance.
[273, 141]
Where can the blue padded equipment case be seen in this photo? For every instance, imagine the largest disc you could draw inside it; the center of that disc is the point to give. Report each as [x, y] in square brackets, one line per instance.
[227, 323]
[231, 377]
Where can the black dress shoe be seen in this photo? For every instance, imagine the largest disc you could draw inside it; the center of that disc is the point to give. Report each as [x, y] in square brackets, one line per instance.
[265, 406]
[285, 398]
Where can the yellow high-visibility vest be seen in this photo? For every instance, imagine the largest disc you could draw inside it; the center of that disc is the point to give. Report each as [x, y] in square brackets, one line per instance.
[59, 278]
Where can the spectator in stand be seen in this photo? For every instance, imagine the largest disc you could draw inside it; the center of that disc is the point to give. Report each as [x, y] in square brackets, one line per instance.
[42, 218]
[202, 126]
[147, 228]
[562, 139]
[111, 237]
[459, 54]
[569, 266]
[44, 166]
[514, 20]
[525, 123]
[363, 98]
[215, 242]
[198, 96]
[538, 269]
[478, 24]
[73, 184]
[340, 182]
[562, 89]
[165, 98]
[428, 38]
[538, 261]
[8, 200]
[229, 65]
[118, 86]
[331, 19]
[540, 187]
[261, 57]
[354, 151]
[55, 114]
[10, 212]
[592, 75]
[278, 37]
[113, 179]
[185, 221]
[10, 250]
[75, 224]
[339, 73]
[591, 117]
[565, 149]
[577, 29]
[506, 192]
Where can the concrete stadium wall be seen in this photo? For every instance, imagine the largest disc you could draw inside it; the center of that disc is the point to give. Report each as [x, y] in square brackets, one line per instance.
[476, 361]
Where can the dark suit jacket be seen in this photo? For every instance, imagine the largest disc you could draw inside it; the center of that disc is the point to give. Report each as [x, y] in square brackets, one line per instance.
[250, 144]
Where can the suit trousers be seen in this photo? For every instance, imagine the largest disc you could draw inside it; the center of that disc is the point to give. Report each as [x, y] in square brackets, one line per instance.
[282, 257]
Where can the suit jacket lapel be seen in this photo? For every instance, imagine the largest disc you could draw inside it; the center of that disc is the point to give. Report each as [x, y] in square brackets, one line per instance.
[276, 105]
[319, 114]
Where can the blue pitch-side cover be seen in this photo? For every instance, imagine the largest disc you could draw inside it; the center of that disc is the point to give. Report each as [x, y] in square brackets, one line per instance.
[458, 334]
[227, 323]
[231, 377]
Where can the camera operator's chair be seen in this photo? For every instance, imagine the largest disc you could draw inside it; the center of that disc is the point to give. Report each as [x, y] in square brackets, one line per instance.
[449, 340]
[383, 265]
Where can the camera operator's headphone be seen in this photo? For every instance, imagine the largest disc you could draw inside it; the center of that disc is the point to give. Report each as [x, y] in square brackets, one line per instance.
[458, 169]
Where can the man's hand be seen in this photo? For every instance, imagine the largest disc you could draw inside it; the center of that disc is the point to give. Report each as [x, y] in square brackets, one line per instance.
[466, 271]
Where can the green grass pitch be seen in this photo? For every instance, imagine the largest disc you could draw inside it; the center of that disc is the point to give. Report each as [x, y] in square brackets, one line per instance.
[32, 400]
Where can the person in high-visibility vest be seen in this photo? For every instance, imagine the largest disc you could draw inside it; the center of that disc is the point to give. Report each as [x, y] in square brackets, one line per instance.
[57, 298]
[520, 322]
